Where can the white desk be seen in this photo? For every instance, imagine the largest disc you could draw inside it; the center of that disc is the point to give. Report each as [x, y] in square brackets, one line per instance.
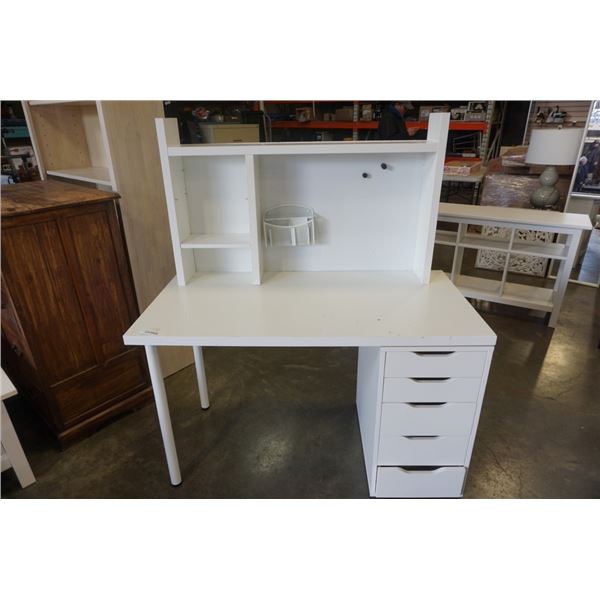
[423, 360]
[12, 452]
[363, 280]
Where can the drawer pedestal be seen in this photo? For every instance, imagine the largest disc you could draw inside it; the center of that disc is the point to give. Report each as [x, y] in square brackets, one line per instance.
[418, 436]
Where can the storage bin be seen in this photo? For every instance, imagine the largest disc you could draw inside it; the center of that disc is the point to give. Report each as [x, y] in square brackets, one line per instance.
[289, 225]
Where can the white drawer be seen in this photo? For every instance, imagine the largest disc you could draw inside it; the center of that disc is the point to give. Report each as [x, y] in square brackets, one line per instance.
[404, 389]
[419, 450]
[396, 482]
[427, 419]
[459, 363]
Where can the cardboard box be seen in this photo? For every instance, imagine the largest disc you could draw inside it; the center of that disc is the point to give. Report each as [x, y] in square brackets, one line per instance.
[344, 114]
[475, 116]
[476, 111]
[458, 114]
[425, 111]
[457, 167]
[477, 106]
[304, 114]
[323, 136]
[18, 152]
[366, 112]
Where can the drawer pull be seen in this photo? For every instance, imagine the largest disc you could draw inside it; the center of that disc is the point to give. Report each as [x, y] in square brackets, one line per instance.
[421, 437]
[435, 353]
[417, 469]
[425, 404]
[430, 379]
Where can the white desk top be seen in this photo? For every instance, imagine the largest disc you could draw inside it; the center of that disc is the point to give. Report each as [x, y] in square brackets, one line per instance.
[8, 389]
[311, 309]
[525, 216]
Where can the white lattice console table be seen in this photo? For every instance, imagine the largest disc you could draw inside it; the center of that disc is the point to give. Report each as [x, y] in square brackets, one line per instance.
[515, 220]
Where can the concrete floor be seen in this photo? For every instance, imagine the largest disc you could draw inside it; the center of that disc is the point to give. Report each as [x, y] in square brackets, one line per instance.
[589, 269]
[283, 424]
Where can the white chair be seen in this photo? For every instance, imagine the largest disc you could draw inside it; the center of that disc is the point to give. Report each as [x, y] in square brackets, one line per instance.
[12, 452]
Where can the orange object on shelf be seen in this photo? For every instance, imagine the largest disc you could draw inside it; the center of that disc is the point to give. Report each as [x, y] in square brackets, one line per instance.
[454, 125]
[314, 125]
[462, 159]
[461, 167]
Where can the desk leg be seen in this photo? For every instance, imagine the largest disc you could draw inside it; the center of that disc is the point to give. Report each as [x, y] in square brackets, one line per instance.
[201, 375]
[162, 408]
[562, 277]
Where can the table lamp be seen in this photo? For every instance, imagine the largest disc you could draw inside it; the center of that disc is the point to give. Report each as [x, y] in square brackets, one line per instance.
[551, 147]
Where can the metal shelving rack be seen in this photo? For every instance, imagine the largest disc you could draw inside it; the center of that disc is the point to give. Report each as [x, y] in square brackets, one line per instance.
[490, 129]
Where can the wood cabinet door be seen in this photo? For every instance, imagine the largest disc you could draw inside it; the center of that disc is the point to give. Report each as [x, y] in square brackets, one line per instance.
[96, 257]
[41, 285]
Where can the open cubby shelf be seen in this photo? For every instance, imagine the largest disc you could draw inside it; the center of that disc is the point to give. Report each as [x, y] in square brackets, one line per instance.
[371, 204]
[528, 296]
[70, 141]
[97, 175]
[565, 227]
[553, 250]
[224, 240]
[445, 238]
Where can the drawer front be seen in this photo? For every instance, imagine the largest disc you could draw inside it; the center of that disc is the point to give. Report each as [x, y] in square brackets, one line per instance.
[459, 363]
[396, 482]
[101, 386]
[405, 389]
[427, 419]
[428, 450]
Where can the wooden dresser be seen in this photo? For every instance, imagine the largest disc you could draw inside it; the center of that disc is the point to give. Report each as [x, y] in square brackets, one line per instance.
[67, 298]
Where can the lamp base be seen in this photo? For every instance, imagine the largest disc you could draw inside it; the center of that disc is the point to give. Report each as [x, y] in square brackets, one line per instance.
[546, 196]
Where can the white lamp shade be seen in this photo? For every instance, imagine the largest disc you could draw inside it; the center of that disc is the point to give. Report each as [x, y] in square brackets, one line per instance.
[554, 146]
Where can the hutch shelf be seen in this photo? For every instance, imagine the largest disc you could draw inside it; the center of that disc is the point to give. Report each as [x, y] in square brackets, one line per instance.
[374, 203]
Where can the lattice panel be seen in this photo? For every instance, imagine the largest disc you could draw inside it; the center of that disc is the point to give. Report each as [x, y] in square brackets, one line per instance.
[519, 263]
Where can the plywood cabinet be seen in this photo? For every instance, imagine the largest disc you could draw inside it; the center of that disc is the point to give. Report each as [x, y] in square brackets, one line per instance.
[112, 145]
[67, 297]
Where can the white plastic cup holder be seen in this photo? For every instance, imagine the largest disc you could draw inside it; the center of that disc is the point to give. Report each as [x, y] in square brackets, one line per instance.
[289, 225]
